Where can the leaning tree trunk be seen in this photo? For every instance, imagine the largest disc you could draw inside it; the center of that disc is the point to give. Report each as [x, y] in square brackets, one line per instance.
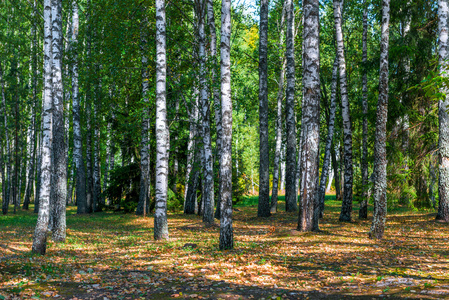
[280, 96]
[5, 203]
[363, 211]
[346, 207]
[143, 205]
[330, 136]
[162, 134]
[310, 125]
[291, 193]
[264, 159]
[443, 143]
[80, 190]
[40, 233]
[226, 230]
[208, 172]
[380, 153]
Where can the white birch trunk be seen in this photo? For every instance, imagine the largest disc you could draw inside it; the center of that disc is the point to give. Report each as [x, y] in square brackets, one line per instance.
[162, 134]
[280, 97]
[80, 192]
[226, 230]
[59, 184]
[40, 233]
[208, 172]
[363, 211]
[291, 192]
[264, 151]
[330, 135]
[142, 207]
[346, 208]
[443, 142]
[310, 126]
[6, 184]
[380, 152]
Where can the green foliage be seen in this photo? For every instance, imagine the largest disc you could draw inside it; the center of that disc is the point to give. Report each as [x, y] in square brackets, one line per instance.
[123, 190]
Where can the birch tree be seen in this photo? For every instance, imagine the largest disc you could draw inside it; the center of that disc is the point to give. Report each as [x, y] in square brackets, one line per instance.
[291, 193]
[142, 207]
[5, 202]
[208, 173]
[346, 207]
[226, 230]
[264, 159]
[443, 142]
[76, 112]
[363, 211]
[380, 153]
[216, 94]
[310, 125]
[162, 134]
[280, 96]
[59, 169]
[330, 135]
[40, 233]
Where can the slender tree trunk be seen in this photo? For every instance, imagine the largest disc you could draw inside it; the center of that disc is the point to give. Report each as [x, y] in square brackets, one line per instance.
[96, 159]
[264, 160]
[216, 94]
[346, 207]
[282, 184]
[330, 135]
[380, 153]
[363, 211]
[433, 179]
[40, 233]
[192, 163]
[59, 169]
[37, 189]
[143, 205]
[208, 172]
[88, 115]
[291, 193]
[162, 134]
[226, 230]
[310, 126]
[443, 143]
[5, 203]
[80, 191]
[280, 96]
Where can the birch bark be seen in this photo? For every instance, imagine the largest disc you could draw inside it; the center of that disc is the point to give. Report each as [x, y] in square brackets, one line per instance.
[310, 125]
[31, 166]
[143, 205]
[280, 96]
[216, 94]
[59, 169]
[208, 173]
[264, 159]
[5, 202]
[346, 207]
[380, 153]
[330, 136]
[226, 230]
[363, 211]
[291, 193]
[162, 134]
[80, 191]
[40, 233]
[443, 142]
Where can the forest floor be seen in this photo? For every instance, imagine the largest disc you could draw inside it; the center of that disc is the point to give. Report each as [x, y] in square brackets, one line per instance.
[113, 256]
